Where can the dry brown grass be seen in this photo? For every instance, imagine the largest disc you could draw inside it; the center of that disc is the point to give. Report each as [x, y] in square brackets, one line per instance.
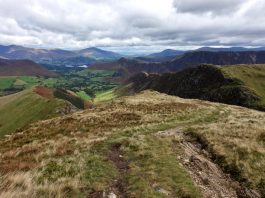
[236, 140]
[62, 145]
[22, 185]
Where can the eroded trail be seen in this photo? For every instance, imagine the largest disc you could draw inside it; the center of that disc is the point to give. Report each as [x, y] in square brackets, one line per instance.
[123, 166]
[213, 182]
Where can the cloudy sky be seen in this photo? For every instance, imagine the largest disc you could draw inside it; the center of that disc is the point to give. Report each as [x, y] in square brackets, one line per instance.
[132, 25]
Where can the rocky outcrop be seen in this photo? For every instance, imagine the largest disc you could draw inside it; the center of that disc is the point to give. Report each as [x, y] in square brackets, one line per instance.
[205, 82]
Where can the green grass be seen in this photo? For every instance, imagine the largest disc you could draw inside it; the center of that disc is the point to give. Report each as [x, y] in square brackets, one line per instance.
[98, 172]
[6, 82]
[105, 96]
[76, 152]
[19, 82]
[28, 81]
[83, 95]
[250, 75]
[154, 166]
[102, 73]
[18, 110]
[102, 96]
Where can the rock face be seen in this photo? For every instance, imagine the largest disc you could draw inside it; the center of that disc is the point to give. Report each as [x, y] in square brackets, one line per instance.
[203, 82]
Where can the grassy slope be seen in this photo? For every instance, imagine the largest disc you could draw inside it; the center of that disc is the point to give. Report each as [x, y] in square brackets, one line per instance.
[83, 154]
[18, 110]
[105, 96]
[102, 96]
[6, 82]
[83, 95]
[251, 75]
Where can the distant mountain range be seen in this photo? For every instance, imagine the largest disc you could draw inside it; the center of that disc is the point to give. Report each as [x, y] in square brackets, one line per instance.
[166, 61]
[170, 54]
[127, 67]
[165, 55]
[57, 56]
[23, 68]
[230, 49]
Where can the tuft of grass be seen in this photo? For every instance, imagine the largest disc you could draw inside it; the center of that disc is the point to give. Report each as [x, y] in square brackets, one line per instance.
[155, 169]
[98, 172]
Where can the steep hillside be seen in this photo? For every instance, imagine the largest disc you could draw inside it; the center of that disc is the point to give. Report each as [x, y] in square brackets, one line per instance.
[239, 85]
[20, 109]
[147, 145]
[253, 76]
[23, 68]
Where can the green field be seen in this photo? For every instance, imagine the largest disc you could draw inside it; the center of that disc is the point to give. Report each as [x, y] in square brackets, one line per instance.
[20, 109]
[96, 73]
[26, 81]
[252, 76]
[87, 84]
[23, 106]
[6, 82]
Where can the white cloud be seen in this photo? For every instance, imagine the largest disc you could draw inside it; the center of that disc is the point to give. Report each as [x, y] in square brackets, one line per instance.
[169, 23]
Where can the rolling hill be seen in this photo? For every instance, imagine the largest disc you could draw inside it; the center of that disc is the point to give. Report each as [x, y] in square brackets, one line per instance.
[240, 84]
[23, 68]
[146, 145]
[98, 54]
[23, 108]
[20, 52]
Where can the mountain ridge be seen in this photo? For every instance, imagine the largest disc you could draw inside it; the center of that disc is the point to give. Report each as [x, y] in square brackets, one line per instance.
[53, 56]
[137, 146]
[23, 68]
[206, 82]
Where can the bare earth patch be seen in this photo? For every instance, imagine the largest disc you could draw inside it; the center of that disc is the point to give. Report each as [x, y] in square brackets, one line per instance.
[206, 174]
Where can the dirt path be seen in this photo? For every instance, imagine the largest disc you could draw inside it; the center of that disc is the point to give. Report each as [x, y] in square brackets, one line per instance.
[213, 182]
[123, 166]
[117, 189]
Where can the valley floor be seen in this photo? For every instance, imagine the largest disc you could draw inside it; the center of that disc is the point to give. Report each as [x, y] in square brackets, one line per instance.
[147, 145]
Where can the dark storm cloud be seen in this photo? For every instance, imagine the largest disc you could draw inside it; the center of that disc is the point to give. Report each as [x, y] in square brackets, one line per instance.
[139, 23]
[212, 6]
